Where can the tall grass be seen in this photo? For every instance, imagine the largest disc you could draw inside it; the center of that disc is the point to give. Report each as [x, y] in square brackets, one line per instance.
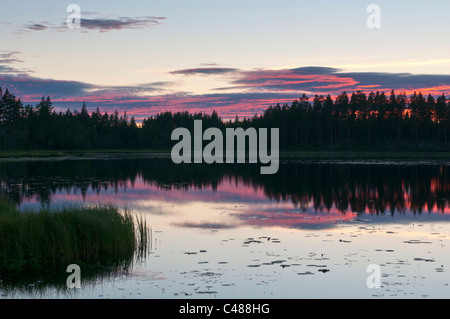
[50, 240]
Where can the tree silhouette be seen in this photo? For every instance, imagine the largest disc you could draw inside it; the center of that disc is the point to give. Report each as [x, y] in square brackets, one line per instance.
[360, 120]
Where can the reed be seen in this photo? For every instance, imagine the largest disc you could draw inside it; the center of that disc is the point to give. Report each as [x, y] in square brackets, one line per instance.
[48, 240]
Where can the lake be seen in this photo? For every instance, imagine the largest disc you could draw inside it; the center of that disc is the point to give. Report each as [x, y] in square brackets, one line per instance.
[316, 229]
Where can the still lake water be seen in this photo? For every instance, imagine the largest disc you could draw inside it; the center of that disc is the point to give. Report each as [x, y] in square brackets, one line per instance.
[309, 231]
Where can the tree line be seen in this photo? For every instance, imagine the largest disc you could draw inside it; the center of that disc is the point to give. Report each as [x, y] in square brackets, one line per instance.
[361, 120]
[355, 121]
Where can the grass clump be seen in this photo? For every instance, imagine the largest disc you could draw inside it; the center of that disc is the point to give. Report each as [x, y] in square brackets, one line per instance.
[50, 240]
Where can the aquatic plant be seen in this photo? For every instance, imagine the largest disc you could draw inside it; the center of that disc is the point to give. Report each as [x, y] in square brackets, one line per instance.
[50, 240]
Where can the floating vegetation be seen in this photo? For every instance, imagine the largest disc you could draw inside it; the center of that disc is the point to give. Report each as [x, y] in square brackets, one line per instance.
[316, 265]
[424, 259]
[414, 241]
[251, 241]
[209, 292]
[278, 261]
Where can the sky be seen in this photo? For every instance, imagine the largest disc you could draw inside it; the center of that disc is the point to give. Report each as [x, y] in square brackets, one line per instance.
[235, 57]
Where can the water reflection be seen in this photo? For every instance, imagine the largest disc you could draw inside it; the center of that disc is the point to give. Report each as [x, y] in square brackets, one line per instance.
[311, 230]
[51, 284]
[300, 195]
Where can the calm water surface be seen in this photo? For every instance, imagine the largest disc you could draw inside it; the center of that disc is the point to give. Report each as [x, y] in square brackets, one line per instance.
[310, 231]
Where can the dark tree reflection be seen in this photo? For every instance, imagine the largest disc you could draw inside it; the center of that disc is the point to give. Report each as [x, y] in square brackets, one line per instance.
[361, 188]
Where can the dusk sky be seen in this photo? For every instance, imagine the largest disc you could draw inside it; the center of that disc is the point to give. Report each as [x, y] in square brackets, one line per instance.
[237, 57]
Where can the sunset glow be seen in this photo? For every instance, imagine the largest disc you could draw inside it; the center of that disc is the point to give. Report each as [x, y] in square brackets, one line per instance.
[148, 58]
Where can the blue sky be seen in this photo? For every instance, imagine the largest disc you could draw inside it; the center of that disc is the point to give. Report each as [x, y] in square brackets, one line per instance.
[134, 55]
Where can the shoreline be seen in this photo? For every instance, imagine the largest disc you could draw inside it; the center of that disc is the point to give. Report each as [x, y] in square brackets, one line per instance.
[284, 155]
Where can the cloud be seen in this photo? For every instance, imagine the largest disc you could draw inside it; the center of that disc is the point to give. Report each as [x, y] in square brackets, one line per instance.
[99, 24]
[302, 80]
[208, 64]
[7, 61]
[130, 90]
[326, 80]
[315, 70]
[8, 54]
[106, 25]
[33, 88]
[36, 27]
[5, 69]
[141, 100]
[399, 80]
[249, 92]
[204, 71]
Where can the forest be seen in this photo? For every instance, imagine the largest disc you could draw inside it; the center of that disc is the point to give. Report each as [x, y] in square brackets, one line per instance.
[356, 121]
